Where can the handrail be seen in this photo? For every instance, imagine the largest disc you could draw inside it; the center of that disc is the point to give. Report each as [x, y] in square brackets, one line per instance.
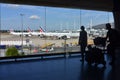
[38, 55]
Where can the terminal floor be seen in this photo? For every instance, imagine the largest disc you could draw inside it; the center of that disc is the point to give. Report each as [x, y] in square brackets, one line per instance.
[57, 69]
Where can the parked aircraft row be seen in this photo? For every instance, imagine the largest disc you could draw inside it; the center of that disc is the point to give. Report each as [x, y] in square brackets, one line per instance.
[42, 33]
[59, 35]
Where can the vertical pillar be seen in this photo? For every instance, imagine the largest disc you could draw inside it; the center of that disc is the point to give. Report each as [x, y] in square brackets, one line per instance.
[116, 13]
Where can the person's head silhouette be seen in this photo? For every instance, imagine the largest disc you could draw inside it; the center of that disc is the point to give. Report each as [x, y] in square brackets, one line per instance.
[82, 28]
[108, 26]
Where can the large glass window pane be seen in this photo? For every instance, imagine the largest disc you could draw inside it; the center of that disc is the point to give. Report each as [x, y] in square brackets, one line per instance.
[42, 30]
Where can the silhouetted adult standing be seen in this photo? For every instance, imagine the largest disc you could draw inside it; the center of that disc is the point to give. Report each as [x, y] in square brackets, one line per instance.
[82, 41]
[112, 36]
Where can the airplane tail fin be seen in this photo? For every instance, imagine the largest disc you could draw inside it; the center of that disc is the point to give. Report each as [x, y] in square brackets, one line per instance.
[41, 30]
[29, 30]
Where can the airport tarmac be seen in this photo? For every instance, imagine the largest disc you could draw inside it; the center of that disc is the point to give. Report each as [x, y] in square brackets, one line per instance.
[37, 41]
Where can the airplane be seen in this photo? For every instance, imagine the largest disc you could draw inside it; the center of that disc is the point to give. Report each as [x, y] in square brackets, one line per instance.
[59, 35]
[40, 33]
[26, 34]
[29, 33]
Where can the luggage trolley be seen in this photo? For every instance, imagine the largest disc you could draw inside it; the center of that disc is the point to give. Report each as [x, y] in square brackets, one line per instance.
[95, 53]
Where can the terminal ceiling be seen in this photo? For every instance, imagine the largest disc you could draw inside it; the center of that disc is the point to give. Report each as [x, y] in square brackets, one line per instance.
[101, 5]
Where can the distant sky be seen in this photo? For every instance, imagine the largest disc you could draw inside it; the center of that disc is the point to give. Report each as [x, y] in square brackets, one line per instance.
[55, 18]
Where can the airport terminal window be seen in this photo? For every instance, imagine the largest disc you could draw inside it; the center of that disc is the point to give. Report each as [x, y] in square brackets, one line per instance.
[42, 30]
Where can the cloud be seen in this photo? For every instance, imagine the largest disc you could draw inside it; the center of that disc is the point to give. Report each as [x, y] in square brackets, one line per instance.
[35, 17]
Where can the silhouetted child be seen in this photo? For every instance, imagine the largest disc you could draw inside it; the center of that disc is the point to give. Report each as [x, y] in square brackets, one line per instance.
[89, 56]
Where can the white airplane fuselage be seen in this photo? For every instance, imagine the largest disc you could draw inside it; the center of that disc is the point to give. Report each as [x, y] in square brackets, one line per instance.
[21, 33]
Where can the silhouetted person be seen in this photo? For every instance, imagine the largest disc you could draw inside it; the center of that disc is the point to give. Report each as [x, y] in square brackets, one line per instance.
[112, 36]
[82, 41]
[89, 55]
